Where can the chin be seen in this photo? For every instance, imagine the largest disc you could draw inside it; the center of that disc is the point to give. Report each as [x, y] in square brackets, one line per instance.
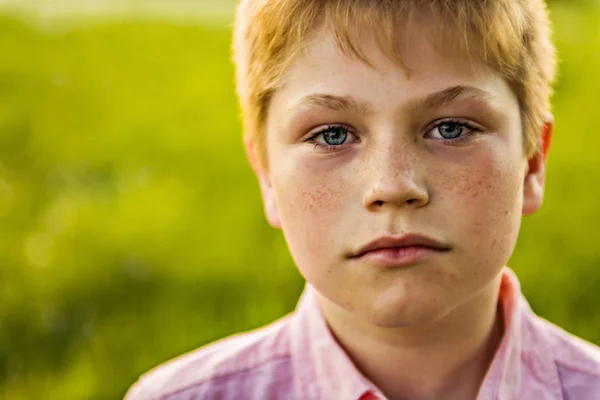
[395, 319]
[403, 310]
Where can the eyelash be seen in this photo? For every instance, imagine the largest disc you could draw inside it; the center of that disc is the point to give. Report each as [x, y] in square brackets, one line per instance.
[454, 142]
[327, 147]
[450, 142]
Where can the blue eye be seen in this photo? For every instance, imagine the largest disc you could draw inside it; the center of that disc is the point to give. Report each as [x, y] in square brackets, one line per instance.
[451, 130]
[332, 136]
[335, 136]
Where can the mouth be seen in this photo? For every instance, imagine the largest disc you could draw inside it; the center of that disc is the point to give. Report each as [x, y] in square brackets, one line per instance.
[397, 251]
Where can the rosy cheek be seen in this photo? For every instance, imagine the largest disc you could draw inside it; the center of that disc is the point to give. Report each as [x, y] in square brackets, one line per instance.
[486, 198]
[321, 202]
[315, 189]
[312, 206]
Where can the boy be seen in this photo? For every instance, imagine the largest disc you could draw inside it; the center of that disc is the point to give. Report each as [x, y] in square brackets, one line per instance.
[397, 144]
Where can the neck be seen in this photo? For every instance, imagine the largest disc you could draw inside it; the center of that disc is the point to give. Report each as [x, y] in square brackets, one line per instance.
[447, 359]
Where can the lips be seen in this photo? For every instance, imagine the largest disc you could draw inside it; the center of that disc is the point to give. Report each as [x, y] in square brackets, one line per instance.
[400, 243]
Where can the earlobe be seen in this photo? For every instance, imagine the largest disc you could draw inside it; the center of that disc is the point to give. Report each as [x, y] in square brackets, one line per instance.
[533, 185]
[264, 182]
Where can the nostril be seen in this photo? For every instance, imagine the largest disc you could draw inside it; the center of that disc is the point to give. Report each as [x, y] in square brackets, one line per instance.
[380, 203]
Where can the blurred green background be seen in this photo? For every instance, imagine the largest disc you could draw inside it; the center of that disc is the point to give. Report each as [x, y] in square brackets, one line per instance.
[131, 228]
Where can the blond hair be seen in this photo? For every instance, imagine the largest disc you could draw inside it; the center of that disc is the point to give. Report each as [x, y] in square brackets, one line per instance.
[510, 36]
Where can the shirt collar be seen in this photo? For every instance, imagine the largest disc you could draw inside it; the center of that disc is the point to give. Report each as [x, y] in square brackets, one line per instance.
[323, 370]
[523, 346]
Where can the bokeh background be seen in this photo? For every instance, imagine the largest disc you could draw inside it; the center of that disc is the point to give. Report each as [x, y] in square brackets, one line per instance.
[131, 228]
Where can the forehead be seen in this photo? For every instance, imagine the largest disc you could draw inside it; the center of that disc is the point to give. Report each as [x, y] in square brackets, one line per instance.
[324, 67]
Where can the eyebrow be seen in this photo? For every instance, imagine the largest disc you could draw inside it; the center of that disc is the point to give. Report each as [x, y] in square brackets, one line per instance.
[335, 103]
[350, 105]
[443, 97]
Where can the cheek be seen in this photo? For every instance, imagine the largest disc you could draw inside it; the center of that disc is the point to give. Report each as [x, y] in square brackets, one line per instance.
[486, 203]
[305, 193]
[313, 209]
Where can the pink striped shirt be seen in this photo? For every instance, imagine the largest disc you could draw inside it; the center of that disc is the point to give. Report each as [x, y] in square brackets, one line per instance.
[296, 357]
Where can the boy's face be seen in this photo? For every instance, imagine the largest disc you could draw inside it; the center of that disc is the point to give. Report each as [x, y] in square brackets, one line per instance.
[437, 153]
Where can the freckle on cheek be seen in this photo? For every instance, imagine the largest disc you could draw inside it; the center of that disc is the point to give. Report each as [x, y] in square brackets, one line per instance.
[321, 199]
[313, 200]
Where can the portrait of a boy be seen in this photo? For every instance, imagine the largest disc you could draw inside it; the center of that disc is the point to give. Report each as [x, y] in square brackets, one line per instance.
[397, 145]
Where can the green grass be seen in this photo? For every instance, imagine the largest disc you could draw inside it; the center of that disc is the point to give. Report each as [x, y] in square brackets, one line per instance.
[131, 228]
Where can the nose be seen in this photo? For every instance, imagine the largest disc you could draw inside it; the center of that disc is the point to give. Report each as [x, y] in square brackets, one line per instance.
[395, 178]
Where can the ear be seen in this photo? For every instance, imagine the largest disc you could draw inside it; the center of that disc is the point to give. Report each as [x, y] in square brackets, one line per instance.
[264, 182]
[533, 186]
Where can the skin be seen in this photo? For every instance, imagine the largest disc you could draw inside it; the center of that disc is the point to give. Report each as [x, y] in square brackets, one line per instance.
[429, 330]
